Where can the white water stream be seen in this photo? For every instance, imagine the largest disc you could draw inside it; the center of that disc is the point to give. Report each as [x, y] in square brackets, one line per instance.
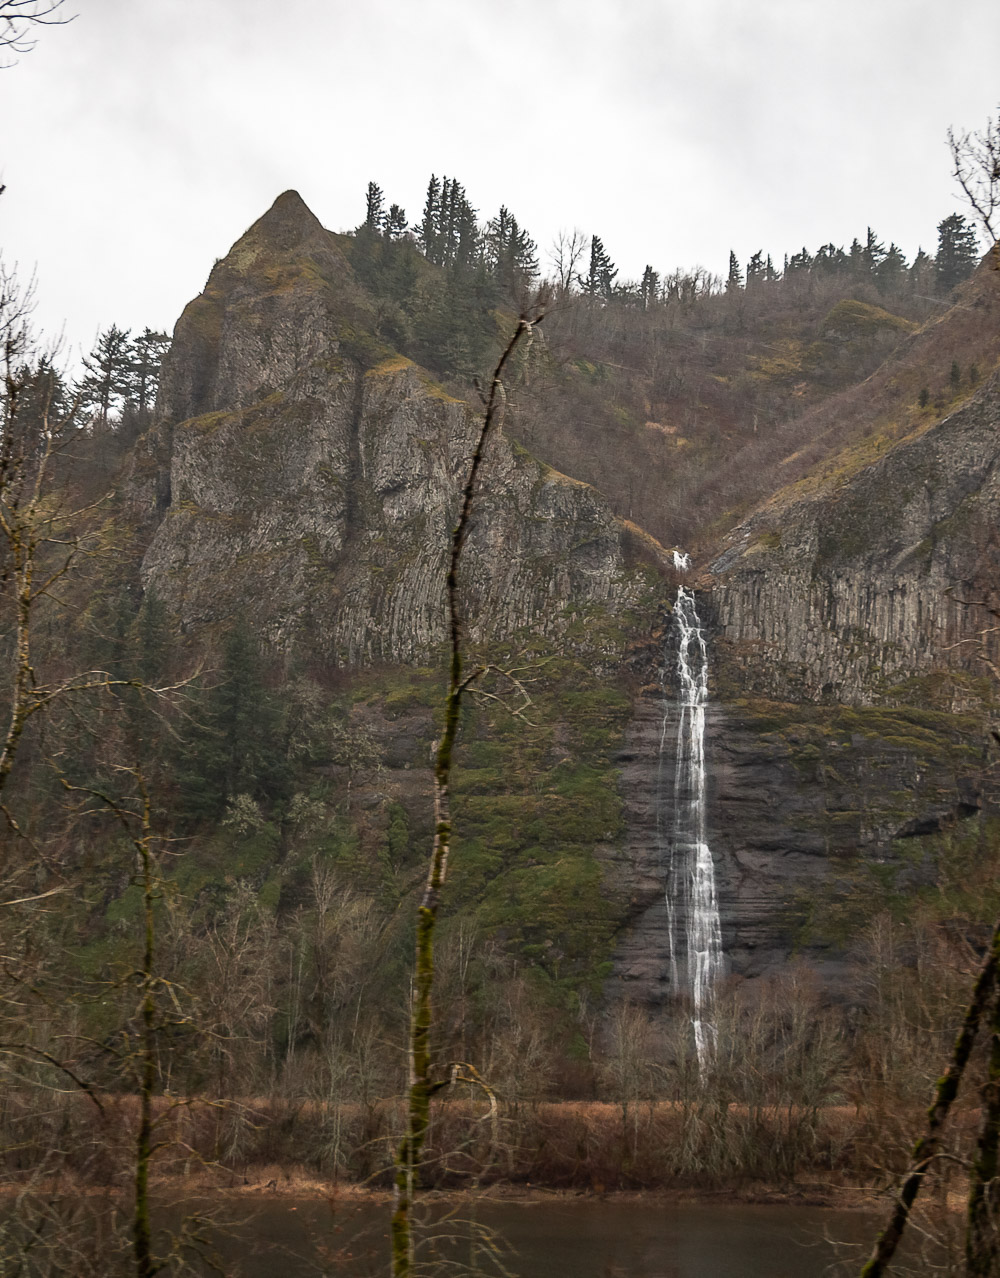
[694, 932]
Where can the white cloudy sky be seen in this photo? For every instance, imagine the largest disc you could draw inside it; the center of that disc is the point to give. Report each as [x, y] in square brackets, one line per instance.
[138, 142]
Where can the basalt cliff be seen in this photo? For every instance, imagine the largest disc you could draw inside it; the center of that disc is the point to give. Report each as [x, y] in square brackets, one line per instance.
[303, 475]
[306, 477]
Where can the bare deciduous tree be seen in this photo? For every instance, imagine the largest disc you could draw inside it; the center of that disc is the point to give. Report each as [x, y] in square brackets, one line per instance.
[40, 538]
[567, 253]
[975, 158]
[20, 18]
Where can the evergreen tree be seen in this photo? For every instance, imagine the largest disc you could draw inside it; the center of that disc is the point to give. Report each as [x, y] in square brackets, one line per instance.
[448, 232]
[601, 273]
[145, 645]
[856, 264]
[236, 745]
[427, 235]
[873, 254]
[734, 280]
[451, 331]
[922, 272]
[958, 252]
[497, 239]
[755, 270]
[829, 260]
[395, 222]
[151, 640]
[375, 214]
[649, 289]
[147, 352]
[891, 272]
[511, 255]
[447, 222]
[107, 380]
[465, 233]
[107, 625]
[798, 264]
[37, 394]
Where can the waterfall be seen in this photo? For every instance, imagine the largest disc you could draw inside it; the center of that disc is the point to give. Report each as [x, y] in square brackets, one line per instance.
[693, 928]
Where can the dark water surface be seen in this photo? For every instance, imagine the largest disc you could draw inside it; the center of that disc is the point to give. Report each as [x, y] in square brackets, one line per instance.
[581, 1239]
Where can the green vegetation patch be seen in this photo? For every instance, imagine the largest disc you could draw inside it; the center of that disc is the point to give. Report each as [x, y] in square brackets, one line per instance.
[948, 881]
[931, 735]
[851, 320]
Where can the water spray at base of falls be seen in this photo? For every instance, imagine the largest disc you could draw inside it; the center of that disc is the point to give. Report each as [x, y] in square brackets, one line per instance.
[694, 931]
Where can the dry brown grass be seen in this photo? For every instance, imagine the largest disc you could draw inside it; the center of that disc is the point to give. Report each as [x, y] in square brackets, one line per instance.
[277, 1146]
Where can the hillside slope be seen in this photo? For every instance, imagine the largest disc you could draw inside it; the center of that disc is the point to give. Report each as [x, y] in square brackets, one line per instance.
[880, 562]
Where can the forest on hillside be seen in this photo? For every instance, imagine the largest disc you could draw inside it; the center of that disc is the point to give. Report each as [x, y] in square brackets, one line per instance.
[697, 385]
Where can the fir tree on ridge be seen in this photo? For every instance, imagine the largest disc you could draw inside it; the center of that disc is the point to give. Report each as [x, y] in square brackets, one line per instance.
[958, 252]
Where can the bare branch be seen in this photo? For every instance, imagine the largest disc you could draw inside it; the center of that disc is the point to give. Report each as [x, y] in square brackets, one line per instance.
[17, 1049]
[40, 896]
[19, 18]
[975, 158]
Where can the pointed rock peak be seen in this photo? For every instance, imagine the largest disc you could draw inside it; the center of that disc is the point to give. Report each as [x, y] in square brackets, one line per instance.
[290, 204]
[287, 222]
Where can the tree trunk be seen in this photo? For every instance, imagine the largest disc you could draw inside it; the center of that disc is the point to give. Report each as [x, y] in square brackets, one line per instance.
[982, 1255]
[926, 1148]
[422, 1086]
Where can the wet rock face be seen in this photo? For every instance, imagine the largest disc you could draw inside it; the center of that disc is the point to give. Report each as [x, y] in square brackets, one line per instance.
[794, 795]
[842, 595]
[847, 700]
[307, 481]
[849, 695]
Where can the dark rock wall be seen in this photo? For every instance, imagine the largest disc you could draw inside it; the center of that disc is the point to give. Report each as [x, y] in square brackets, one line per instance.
[851, 701]
[797, 795]
[839, 596]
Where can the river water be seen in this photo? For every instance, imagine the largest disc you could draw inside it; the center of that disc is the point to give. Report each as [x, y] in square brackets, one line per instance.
[581, 1238]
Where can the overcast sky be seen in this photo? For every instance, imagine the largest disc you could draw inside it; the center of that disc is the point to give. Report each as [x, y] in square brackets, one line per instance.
[138, 142]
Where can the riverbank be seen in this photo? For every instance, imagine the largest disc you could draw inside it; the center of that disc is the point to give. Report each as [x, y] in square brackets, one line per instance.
[299, 1183]
[676, 1150]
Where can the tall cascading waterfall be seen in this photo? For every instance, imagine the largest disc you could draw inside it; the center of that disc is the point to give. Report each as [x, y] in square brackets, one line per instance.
[694, 931]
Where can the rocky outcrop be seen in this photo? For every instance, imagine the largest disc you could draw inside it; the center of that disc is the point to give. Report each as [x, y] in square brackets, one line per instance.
[842, 595]
[798, 795]
[308, 478]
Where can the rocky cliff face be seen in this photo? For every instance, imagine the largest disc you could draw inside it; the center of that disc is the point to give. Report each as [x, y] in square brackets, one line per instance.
[842, 595]
[306, 478]
[849, 619]
[798, 794]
